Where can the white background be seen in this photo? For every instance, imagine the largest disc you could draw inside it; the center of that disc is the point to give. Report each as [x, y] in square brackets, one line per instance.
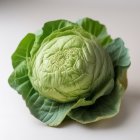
[17, 18]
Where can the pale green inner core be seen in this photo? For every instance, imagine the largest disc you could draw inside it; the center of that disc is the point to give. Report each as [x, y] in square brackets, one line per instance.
[62, 60]
[64, 68]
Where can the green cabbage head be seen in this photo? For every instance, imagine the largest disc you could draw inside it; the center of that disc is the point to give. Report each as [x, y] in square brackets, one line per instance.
[71, 69]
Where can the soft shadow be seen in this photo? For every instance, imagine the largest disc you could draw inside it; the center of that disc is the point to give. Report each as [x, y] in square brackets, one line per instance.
[130, 100]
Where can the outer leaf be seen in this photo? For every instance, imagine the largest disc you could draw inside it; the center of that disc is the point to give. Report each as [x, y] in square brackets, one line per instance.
[23, 49]
[47, 29]
[97, 29]
[118, 53]
[19, 79]
[105, 89]
[46, 110]
[106, 106]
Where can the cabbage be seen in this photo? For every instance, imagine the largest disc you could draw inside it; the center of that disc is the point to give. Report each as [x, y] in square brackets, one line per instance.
[71, 69]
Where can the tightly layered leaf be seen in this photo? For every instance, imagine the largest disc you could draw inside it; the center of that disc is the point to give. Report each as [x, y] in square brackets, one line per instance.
[71, 69]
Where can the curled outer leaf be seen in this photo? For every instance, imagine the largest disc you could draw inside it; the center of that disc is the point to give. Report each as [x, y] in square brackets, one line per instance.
[97, 29]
